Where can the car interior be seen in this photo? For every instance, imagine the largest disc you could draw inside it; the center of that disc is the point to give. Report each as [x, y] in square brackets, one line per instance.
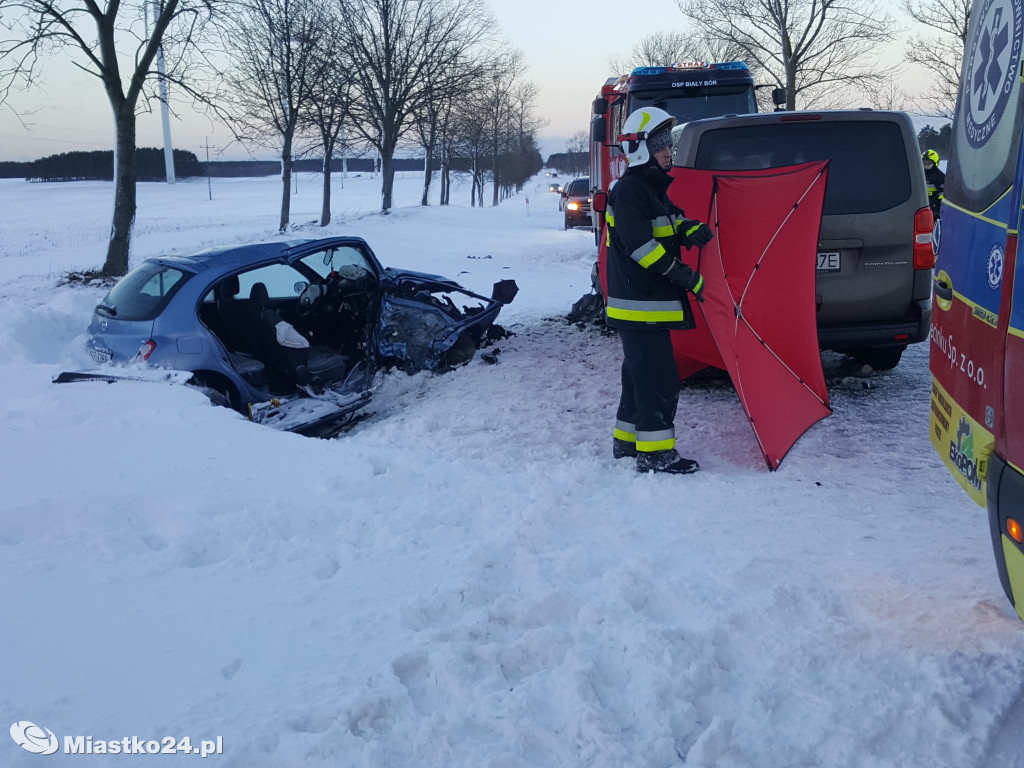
[331, 315]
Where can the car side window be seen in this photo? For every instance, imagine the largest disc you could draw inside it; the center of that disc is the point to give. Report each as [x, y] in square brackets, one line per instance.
[280, 280]
[323, 262]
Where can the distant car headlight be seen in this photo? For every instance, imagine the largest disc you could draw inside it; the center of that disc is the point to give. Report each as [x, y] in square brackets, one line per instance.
[573, 206]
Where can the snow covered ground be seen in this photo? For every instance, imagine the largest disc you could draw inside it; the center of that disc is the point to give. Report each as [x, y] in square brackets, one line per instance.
[468, 578]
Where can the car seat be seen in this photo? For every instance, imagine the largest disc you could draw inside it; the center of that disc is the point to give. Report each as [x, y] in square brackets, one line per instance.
[294, 366]
[235, 317]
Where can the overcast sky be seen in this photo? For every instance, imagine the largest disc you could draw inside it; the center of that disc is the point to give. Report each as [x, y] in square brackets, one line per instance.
[567, 48]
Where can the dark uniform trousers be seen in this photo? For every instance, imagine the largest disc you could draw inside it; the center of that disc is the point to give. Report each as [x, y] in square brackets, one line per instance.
[650, 389]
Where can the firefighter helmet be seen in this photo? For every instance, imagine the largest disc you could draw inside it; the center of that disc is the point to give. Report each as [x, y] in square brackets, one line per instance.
[641, 124]
[930, 156]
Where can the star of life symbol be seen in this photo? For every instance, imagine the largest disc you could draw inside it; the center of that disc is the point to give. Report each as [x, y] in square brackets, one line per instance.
[992, 68]
[995, 267]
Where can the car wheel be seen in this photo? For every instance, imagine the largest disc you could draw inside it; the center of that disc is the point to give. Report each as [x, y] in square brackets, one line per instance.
[565, 224]
[220, 391]
[880, 358]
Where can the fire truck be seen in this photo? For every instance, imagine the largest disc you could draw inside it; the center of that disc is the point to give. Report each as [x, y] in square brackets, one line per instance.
[687, 91]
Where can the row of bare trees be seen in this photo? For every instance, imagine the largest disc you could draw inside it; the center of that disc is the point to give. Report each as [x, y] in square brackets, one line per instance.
[303, 76]
[821, 51]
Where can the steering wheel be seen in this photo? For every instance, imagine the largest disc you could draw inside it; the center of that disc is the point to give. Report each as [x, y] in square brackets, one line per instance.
[311, 299]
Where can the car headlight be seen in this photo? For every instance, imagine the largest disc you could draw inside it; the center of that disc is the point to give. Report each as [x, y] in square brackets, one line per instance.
[573, 206]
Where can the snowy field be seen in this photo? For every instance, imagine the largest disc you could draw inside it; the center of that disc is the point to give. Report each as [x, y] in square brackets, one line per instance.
[468, 578]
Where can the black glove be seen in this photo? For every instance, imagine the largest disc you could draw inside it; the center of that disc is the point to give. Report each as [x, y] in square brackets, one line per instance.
[687, 279]
[696, 233]
[696, 284]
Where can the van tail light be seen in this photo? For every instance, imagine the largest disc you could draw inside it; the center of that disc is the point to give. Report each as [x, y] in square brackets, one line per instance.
[145, 351]
[924, 258]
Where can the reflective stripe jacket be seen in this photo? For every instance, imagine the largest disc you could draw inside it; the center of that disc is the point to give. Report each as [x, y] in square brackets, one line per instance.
[644, 234]
[936, 183]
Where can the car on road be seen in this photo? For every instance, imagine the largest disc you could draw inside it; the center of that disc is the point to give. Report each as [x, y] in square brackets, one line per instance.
[554, 186]
[289, 333]
[874, 260]
[575, 202]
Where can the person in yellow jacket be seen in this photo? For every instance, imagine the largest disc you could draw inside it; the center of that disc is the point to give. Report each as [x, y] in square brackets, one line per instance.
[935, 178]
[646, 285]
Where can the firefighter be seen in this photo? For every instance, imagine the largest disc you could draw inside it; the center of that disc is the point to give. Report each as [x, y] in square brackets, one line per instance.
[646, 284]
[936, 179]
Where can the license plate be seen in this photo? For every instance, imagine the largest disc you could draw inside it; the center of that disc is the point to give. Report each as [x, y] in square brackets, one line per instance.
[828, 261]
[101, 356]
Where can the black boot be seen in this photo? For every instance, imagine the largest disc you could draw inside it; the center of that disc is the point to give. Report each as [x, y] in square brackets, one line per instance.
[623, 449]
[668, 461]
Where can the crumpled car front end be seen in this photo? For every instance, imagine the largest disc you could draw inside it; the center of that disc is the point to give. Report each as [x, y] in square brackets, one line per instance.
[423, 328]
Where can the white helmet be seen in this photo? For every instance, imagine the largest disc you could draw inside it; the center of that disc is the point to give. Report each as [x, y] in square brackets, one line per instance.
[641, 124]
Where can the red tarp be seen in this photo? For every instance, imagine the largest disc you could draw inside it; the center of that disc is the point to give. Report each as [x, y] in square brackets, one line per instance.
[759, 307]
[758, 320]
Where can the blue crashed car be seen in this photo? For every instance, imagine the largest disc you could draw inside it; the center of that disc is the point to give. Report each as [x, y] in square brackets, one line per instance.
[289, 333]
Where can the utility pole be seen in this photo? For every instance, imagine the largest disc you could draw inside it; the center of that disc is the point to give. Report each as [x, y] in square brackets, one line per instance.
[209, 189]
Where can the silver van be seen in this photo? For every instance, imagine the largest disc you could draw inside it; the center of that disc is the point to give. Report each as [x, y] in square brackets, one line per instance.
[874, 260]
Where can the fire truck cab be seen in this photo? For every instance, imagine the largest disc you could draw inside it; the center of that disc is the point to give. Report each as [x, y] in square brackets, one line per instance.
[686, 90]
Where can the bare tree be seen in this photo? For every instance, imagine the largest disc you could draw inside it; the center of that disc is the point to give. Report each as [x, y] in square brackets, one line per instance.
[451, 78]
[577, 148]
[273, 47]
[940, 54]
[327, 103]
[813, 48]
[393, 45]
[100, 38]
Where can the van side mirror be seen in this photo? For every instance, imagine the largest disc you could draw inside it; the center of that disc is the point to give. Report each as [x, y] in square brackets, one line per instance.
[600, 202]
[599, 130]
[600, 106]
[779, 97]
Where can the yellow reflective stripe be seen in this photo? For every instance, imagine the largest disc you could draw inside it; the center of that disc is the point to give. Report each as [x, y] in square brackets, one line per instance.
[656, 445]
[646, 258]
[662, 227]
[646, 316]
[698, 286]
[610, 218]
[693, 229]
[628, 437]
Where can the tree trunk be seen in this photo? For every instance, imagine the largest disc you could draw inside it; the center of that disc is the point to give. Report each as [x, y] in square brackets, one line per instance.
[286, 183]
[428, 172]
[387, 172]
[118, 249]
[494, 173]
[325, 212]
[446, 182]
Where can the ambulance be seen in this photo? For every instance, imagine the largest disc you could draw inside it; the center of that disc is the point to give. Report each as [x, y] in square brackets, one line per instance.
[977, 330]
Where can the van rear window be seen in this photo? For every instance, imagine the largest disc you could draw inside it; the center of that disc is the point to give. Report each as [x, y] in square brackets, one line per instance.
[868, 172]
[144, 292]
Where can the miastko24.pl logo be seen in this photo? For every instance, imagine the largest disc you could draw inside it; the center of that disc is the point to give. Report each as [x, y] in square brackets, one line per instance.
[42, 741]
[34, 738]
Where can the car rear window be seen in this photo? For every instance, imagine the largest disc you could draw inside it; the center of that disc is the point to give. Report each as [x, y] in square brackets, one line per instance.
[868, 170]
[143, 293]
